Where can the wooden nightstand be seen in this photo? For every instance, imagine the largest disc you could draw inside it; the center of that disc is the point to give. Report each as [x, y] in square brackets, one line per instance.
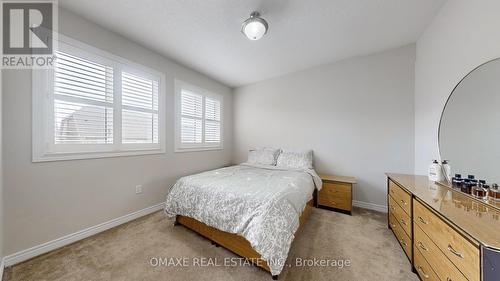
[336, 193]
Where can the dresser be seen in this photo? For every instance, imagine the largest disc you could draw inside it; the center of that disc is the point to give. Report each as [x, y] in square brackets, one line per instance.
[336, 193]
[445, 234]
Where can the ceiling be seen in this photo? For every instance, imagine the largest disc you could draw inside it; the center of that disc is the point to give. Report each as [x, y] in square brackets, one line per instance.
[205, 34]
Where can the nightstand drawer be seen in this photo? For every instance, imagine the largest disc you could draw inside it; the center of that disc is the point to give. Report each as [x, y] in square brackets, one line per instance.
[336, 195]
[400, 196]
[402, 218]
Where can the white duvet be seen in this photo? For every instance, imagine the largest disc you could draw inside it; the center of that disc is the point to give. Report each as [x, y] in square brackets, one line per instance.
[261, 203]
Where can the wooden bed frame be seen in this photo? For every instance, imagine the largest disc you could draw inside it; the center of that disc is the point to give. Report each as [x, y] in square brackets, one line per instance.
[234, 242]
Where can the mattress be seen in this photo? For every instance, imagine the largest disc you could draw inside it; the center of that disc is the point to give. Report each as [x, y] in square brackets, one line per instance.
[261, 203]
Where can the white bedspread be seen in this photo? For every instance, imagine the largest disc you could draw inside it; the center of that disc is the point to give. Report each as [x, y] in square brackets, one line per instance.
[261, 203]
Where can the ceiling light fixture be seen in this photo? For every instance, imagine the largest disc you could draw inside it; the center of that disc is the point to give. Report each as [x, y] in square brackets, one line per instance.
[254, 27]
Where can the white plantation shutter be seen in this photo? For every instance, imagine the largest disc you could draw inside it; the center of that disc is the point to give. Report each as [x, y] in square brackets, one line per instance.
[191, 117]
[94, 104]
[139, 109]
[212, 121]
[198, 119]
[83, 101]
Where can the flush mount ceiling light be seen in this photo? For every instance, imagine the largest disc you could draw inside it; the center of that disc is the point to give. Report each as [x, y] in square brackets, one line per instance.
[254, 27]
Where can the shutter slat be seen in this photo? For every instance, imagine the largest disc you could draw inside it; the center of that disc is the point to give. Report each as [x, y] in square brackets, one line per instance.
[74, 70]
[74, 60]
[79, 92]
[142, 87]
[145, 102]
[77, 83]
[81, 78]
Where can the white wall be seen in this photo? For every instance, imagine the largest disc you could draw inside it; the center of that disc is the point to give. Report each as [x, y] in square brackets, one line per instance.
[52, 199]
[356, 114]
[463, 35]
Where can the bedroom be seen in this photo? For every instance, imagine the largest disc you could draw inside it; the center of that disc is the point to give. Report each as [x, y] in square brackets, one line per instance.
[164, 143]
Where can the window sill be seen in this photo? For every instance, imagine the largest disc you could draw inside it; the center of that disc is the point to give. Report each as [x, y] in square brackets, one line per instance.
[48, 157]
[197, 149]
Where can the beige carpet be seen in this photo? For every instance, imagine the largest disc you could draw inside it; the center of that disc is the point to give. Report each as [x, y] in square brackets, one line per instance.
[125, 253]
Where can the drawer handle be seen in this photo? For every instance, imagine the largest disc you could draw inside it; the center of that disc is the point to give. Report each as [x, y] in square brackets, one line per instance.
[403, 202]
[423, 272]
[453, 251]
[403, 242]
[448, 279]
[393, 208]
[393, 225]
[422, 220]
[421, 245]
[403, 222]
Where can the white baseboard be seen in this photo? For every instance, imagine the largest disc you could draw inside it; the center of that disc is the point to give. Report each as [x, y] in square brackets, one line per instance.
[71, 238]
[370, 206]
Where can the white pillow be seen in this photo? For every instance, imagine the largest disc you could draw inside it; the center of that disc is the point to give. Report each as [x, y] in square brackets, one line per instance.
[295, 159]
[263, 156]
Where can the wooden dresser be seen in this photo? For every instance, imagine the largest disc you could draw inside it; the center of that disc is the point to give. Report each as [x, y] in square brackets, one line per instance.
[336, 193]
[444, 233]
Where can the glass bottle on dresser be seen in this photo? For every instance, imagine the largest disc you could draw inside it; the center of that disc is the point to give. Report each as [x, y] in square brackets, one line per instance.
[480, 190]
[469, 182]
[457, 181]
[494, 192]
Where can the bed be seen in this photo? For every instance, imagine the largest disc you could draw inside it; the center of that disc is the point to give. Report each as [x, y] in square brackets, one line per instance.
[252, 210]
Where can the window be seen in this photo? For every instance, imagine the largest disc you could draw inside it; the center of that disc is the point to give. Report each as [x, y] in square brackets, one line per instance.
[198, 118]
[94, 104]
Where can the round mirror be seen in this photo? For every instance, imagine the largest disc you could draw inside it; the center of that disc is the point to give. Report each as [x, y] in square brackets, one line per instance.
[469, 132]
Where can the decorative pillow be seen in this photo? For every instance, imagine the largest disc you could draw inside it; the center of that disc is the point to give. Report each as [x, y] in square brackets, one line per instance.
[263, 156]
[295, 159]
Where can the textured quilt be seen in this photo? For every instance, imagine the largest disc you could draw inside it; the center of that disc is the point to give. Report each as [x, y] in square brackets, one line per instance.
[261, 203]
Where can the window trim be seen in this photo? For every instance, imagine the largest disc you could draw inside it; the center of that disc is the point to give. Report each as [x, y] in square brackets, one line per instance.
[42, 128]
[178, 146]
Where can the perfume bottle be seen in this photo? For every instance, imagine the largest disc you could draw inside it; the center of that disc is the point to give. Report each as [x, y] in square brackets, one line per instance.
[457, 181]
[494, 192]
[467, 186]
[480, 190]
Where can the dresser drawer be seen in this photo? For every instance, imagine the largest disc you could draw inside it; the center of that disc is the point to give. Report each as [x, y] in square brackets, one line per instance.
[441, 265]
[336, 195]
[423, 268]
[402, 218]
[401, 236]
[400, 196]
[459, 251]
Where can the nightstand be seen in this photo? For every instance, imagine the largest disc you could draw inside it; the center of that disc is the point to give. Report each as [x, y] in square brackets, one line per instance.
[336, 193]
